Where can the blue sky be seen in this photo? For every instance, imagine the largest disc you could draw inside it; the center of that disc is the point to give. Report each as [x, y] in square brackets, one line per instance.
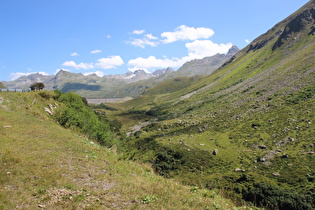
[113, 37]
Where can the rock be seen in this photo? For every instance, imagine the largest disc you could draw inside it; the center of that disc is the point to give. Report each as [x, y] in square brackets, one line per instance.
[262, 159]
[262, 146]
[51, 107]
[7, 126]
[239, 170]
[48, 111]
[215, 152]
[276, 174]
[291, 139]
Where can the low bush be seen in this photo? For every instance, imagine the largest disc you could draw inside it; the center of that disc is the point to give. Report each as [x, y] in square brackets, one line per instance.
[46, 94]
[77, 115]
[271, 197]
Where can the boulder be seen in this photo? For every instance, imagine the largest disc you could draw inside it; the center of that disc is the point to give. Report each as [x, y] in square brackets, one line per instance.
[239, 170]
[48, 111]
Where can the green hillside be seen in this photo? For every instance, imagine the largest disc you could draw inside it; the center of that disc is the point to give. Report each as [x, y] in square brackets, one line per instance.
[248, 128]
[44, 165]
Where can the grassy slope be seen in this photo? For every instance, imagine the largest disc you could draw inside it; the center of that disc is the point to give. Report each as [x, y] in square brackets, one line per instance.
[45, 165]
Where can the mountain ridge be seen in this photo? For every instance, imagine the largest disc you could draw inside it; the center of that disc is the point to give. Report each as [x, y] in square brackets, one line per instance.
[119, 85]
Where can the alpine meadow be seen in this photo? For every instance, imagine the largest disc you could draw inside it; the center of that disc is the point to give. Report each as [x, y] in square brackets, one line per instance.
[234, 131]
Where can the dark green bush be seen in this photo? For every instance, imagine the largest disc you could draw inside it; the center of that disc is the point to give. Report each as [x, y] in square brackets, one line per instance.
[271, 197]
[77, 115]
[57, 93]
[167, 160]
[45, 94]
[104, 106]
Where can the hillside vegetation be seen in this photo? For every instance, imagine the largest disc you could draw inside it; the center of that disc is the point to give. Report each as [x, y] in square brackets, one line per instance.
[44, 165]
[248, 128]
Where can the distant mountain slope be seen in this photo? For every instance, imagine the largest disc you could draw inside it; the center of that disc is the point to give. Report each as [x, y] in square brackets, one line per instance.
[206, 65]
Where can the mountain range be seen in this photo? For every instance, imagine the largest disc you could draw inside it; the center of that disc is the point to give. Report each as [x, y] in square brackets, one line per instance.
[130, 84]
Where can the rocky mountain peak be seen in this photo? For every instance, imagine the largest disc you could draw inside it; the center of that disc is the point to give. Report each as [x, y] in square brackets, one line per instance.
[234, 49]
[303, 22]
[162, 71]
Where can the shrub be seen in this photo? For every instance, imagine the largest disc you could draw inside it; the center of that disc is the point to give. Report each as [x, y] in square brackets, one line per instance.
[77, 115]
[167, 160]
[58, 93]
[46, 94]
[271, 197]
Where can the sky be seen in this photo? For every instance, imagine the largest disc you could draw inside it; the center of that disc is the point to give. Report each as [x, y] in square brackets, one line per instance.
[116, 36]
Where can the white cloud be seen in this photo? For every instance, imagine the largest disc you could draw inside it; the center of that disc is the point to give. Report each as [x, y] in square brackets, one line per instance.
[203, 48]
[16, 75]
[137, 32]
[96, 51]
[187, 33]
[110, 62]
[108, 36]
[103, 63]
[79, 65]
[74, 54]
[247, 41]
[150, 36]
[196, 50]
[98, 73]
[150, 62]
[143, 42]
